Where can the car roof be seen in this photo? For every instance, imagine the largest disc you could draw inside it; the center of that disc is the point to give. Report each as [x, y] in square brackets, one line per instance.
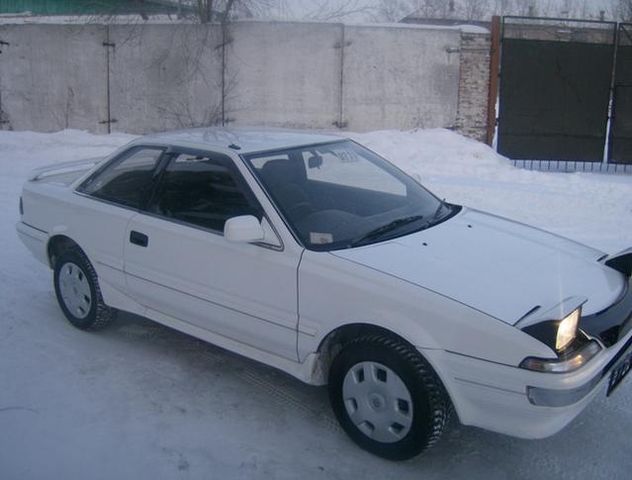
[240, 140]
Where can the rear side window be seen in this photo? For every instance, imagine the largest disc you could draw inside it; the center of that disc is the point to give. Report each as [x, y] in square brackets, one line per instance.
[203, 192]
[127, 179]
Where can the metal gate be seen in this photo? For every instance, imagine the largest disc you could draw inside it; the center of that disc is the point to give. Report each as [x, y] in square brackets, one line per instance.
[555, 86]
[620, 144]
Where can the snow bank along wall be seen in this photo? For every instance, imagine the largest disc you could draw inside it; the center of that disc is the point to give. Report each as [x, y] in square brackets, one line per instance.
[143, 78]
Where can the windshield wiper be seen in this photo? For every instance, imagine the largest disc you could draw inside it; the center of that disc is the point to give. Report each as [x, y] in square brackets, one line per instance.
[378, 232]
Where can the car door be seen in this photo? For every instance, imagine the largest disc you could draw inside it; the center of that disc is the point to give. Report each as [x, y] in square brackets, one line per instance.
[112, 195]
[178, 263]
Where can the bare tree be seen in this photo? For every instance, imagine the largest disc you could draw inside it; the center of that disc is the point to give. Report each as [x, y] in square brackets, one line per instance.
[328, 10]
[576, 9]
[396, 10]
[474, 9]
[323, 10]
[622, 10]
[436, 8]
[205, 10]
[392, 10]
[526, 8]
[503, 7]
[223, 11]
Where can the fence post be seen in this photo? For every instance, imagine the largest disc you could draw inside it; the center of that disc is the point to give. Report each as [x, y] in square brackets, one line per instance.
[341, 122]
[494, 67]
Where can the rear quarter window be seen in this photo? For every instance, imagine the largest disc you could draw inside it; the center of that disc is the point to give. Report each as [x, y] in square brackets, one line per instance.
[127, 179]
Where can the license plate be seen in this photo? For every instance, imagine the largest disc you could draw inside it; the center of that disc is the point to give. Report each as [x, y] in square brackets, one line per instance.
[619, 373]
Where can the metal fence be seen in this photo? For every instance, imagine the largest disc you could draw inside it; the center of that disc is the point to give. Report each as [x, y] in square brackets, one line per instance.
[620, 141]
[572, 166]
[565, 100]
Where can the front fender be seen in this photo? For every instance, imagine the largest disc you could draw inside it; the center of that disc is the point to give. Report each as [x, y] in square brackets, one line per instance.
[334, 292]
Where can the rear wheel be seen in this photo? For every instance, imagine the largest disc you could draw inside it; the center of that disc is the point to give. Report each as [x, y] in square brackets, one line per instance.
[78, 293]
[387, 397]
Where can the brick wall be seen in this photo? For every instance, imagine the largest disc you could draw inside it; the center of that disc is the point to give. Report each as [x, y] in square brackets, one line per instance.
[471, 116]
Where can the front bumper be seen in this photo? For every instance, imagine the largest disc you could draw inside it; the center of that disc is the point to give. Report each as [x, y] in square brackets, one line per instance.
[560, 398]
[519, 402]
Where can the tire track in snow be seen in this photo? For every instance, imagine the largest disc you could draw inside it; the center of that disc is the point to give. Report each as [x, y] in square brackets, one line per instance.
[287, 399]
[249, 374]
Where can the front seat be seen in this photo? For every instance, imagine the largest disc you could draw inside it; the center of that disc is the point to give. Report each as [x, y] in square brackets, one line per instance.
[281, 179]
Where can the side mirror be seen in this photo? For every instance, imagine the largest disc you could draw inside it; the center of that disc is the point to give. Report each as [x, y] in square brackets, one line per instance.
[245, 228]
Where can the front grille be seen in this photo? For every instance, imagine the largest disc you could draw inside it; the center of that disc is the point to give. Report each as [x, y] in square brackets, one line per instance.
[613, 323]
[611, 336]
[623, 331]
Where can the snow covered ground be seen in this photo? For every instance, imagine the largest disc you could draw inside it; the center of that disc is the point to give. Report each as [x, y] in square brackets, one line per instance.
[141, 401]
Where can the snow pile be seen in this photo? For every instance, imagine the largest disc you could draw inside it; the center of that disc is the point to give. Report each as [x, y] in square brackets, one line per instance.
[595, 209]
[435, 150]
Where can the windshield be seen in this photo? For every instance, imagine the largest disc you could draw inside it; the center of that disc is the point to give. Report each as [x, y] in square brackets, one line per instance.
[341, 195]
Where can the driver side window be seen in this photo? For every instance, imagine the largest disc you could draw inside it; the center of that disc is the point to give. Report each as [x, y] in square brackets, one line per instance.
[202, 191]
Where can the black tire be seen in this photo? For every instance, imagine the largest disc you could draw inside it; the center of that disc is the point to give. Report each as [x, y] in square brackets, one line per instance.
[431, 405]
[96, 314]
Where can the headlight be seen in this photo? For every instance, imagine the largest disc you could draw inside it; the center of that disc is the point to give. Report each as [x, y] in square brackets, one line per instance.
[573, 348]
[558, 334]
[567, 330]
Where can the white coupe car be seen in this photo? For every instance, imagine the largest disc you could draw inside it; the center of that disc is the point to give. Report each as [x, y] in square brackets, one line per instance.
[314, 255]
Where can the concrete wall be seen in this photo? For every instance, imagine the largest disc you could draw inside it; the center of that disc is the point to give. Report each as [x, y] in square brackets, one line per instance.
[53, 77]
[400, 77]
[145, 78]
[284, 74]
[164, 76]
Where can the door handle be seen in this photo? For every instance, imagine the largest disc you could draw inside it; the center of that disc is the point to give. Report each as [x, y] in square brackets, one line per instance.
[138, 238]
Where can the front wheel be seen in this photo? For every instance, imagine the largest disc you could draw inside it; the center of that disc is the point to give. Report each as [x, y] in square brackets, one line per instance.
[78, 293]
[387, 398]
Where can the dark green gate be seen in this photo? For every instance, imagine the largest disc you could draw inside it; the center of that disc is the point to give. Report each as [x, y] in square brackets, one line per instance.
[555, 89]
[620, 147]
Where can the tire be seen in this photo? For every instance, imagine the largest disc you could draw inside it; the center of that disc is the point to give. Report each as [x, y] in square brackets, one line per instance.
[78, 293]
[387, 398]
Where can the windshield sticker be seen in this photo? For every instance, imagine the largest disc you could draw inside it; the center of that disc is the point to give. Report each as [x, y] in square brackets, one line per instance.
[320, 238]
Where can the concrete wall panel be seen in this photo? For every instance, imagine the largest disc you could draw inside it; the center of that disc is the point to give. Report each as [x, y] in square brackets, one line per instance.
[400, 77]
[164, 77]
[152, 77]
[53, 77]
[284, 74]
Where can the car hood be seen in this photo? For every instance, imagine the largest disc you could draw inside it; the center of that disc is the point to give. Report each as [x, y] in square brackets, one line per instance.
[500, 267]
